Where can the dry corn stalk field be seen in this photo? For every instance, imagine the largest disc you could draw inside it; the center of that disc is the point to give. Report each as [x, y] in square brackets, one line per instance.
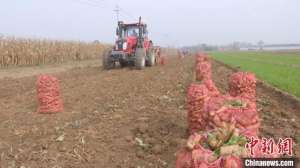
[21, 51]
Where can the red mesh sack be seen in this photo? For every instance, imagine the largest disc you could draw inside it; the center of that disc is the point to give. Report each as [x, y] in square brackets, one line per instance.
[48, 94]
[227, 109]
[243, 84]
[210, 85]
[196, 96]
[184, 158]
[213, 107]
[201, 57]
[195, 156]
[248, 120]
[232, 161]
[203, 71]
[201, 158]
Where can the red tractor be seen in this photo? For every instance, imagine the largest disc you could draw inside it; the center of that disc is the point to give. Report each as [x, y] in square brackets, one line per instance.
[132, 47]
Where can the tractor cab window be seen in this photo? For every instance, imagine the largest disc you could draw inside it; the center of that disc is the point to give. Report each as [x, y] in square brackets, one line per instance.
[132, 31]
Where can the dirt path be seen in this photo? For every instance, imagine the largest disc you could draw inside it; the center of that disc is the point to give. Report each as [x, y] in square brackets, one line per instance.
[118, 118]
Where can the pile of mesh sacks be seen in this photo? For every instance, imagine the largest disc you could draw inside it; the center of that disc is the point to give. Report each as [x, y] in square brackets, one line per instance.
[48, 95]
[199, 94]
[219, 125]
[208, 108]
[219, 148]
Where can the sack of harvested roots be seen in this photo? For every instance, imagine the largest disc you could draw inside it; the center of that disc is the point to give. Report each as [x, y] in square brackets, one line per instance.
[227, 109]
[243, 84]
[211, 87]
[201, 57]
[196, 96]
[218, 148]
[203, 71]
[48, 96]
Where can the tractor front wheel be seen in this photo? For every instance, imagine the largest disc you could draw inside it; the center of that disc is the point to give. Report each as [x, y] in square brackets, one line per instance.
[151, 58]
[140, 58]
[107, 63]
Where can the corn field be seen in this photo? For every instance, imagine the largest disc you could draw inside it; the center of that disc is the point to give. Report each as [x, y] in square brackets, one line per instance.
[21, 51]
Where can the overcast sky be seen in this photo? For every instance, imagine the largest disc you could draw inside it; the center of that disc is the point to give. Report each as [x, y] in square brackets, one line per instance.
[170, 22]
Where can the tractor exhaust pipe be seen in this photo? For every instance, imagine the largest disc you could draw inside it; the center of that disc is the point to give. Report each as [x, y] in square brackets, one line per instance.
[140, 38]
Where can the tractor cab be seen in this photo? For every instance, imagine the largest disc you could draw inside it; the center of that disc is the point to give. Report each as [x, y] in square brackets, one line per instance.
[128, 35]
[127, 30]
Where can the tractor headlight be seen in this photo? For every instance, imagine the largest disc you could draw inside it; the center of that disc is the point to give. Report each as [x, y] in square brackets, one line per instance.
[124, 45]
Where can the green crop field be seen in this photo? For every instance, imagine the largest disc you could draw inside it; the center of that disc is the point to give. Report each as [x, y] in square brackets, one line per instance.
[280, 69]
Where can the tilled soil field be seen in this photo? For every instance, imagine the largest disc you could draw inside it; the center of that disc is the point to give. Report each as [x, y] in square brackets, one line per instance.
[117, 118]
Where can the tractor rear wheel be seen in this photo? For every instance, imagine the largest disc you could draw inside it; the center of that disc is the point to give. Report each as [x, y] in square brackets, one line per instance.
[151, 58]
[107, 63]
[140, 58]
